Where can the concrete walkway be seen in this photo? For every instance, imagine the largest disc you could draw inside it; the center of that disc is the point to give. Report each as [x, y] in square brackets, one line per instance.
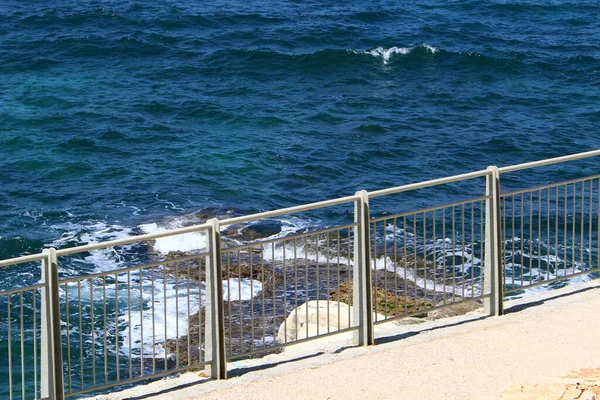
[551, 339]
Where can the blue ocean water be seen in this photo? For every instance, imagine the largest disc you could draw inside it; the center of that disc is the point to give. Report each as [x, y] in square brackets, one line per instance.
[119, 112]
[114, 114]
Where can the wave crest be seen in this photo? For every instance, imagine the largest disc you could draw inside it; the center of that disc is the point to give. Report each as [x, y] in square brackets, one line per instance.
[386, 54]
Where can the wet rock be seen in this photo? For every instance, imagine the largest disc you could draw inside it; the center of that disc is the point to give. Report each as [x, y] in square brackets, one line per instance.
[258, 230]
[188, 349]
[195, 269]
[386, 303]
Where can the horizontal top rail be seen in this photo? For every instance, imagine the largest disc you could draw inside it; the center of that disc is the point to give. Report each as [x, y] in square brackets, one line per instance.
[549, 161]
[289, 238]
[133, 239]
[550, 186]
[429, 209]
[23, 259]
[131, 269]
[289, 210]
[433, 182]
[22, 289]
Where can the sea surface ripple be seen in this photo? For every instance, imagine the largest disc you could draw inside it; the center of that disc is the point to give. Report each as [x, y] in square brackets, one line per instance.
[120, 112]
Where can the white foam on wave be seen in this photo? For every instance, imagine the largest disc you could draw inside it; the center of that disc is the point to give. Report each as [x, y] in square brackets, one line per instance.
[166, 314]
[297, 251]
[450, 254]
[294, 248]
[235, 289]
[89, 234]
[386, 53]
[197, 241]
[102, 260]
[151, 309]
[469, 289]
[186, 242]
[528, 291]
[147, 324]
[291, 225]
[522, 275]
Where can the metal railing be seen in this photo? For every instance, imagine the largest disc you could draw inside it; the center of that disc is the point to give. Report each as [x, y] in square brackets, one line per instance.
[152, 314]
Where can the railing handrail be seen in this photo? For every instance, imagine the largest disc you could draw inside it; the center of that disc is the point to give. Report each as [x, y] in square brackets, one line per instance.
[549, 161]
[430, 183]
[289, 210]
[22, 259]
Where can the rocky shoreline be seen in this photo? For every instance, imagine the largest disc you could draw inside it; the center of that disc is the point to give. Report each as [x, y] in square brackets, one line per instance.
[252, 325]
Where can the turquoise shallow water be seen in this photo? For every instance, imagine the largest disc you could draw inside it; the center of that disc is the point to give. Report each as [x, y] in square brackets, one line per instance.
[118, 113]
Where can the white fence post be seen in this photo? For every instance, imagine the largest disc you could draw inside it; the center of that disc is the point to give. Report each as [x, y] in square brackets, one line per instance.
[492, 275]
[214, 313]
[362, 300]
[51, 341]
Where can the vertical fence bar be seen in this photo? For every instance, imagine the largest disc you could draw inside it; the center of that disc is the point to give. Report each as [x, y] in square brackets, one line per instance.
[35, 345]
[215, 318]
[51, 347]
[363, 297]
[493, 279]
[46, 352]
[10, 355]
[22, 347]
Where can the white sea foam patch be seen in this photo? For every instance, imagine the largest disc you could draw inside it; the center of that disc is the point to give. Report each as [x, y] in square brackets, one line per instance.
[197, 241]
[186, 242]
[102, 232]
[151, 309]
[161, 312]
[386, 53]
[536, 268]
[89, 234]
[528, 291]
[292, 225]
[297, 251]
[241, 289]
[102, 260]
[523, 275]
